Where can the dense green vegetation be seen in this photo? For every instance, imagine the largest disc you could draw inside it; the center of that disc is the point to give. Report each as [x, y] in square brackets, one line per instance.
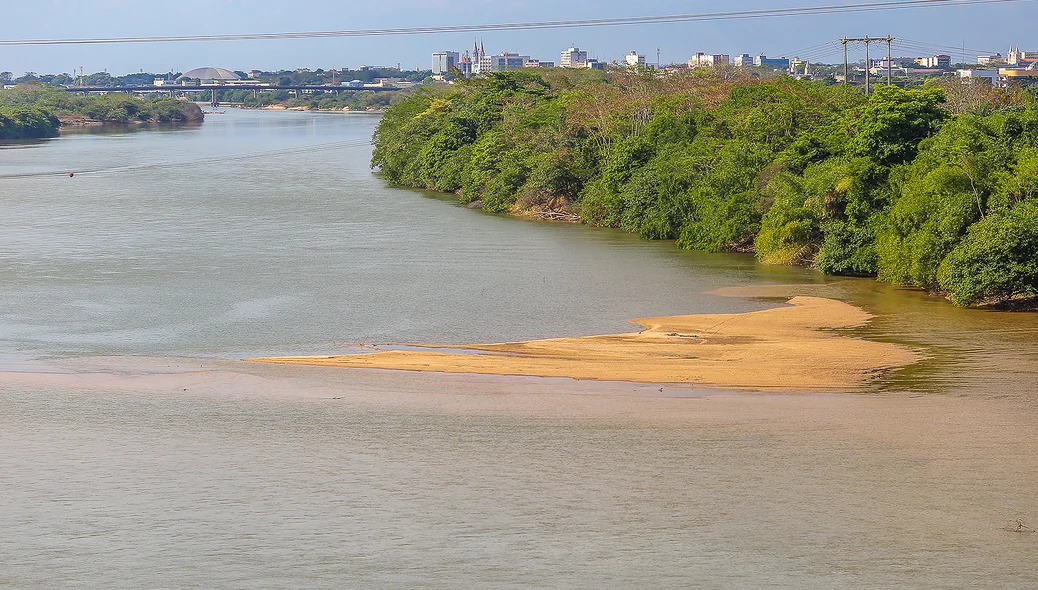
[934, 187]
[320, 77]
[318, 100]
[27, 123]
[32, 111]
[95, 79]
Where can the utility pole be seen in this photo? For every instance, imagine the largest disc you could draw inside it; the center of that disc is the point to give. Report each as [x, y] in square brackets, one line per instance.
[846, 77]
[890, 67]
[868, 66]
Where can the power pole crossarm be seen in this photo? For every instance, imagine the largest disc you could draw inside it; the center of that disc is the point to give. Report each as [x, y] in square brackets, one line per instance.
[868, 62]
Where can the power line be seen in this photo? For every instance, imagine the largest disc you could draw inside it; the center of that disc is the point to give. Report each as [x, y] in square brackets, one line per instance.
[909, 43]
[829, 49]
[561, 24]
[821, 49]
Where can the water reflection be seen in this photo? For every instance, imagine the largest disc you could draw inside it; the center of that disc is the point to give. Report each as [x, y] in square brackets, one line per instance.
[124, 129]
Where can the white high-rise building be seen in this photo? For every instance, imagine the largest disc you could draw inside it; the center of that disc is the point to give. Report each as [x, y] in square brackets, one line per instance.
[573, 58]
[705, 60]
[743, 60]
[633, 59]
[484, 64]
[444, 61]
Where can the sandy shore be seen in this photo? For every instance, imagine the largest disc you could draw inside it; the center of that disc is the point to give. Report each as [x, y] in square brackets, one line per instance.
[788, 348]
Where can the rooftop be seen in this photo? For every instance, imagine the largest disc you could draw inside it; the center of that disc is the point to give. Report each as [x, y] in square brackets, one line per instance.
[209, 74]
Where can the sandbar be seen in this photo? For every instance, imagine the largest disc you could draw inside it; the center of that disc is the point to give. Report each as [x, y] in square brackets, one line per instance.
[794, 347]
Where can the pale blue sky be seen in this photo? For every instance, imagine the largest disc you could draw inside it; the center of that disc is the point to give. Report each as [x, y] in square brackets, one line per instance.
[992, 27]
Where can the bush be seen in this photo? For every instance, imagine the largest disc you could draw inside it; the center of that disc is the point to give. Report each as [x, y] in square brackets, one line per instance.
[997, 260]
[27, 123]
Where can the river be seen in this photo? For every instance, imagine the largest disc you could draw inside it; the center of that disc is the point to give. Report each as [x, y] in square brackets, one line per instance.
[138, 451]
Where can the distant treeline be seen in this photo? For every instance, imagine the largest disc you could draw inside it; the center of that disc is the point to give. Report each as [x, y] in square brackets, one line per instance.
[318, 100]
[296, 77]
[95, 79]
[319, 77]
[33, 111]
[934, 187]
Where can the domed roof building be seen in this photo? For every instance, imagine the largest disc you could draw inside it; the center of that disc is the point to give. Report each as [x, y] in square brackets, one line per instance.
[210, 75]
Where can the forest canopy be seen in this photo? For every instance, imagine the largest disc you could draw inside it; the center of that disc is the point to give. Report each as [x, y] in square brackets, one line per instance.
[933, 187]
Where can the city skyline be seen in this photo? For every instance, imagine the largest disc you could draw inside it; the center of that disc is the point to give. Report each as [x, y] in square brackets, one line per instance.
[979, 27]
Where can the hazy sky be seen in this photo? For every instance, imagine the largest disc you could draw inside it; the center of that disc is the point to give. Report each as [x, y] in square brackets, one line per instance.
[988, 27]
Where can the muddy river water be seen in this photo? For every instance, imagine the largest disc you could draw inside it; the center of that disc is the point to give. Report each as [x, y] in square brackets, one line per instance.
[137, 450]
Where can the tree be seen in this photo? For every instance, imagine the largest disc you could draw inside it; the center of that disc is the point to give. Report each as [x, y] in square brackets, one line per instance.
[892, 185]
[894, 122]
[997, 260]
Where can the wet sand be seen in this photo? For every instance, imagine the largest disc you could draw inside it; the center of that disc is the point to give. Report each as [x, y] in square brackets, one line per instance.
[795, 347]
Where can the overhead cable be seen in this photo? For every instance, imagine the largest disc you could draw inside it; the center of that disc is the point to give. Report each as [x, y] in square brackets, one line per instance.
[559, 24]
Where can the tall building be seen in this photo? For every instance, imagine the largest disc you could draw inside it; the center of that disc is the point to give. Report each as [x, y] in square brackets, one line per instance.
[483, 64]
[772, 63]
[465, 65]
[884, 64]
[743, 60]
[507, 61]
[705, 60]
[444, 61]
[573, 58]
[936, 61]
[989, 60]
[633, 59]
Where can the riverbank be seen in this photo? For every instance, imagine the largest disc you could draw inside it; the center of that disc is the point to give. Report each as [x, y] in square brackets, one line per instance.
[799, 173]
[789, 348]
[31, 111]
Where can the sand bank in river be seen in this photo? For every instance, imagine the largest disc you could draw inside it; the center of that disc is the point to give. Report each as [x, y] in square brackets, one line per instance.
[791, 347]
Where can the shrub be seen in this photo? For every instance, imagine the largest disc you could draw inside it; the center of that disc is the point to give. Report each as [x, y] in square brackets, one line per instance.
[997, 260]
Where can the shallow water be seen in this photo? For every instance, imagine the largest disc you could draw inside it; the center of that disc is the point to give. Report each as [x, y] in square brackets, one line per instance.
[138, 453]
[189, 242]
